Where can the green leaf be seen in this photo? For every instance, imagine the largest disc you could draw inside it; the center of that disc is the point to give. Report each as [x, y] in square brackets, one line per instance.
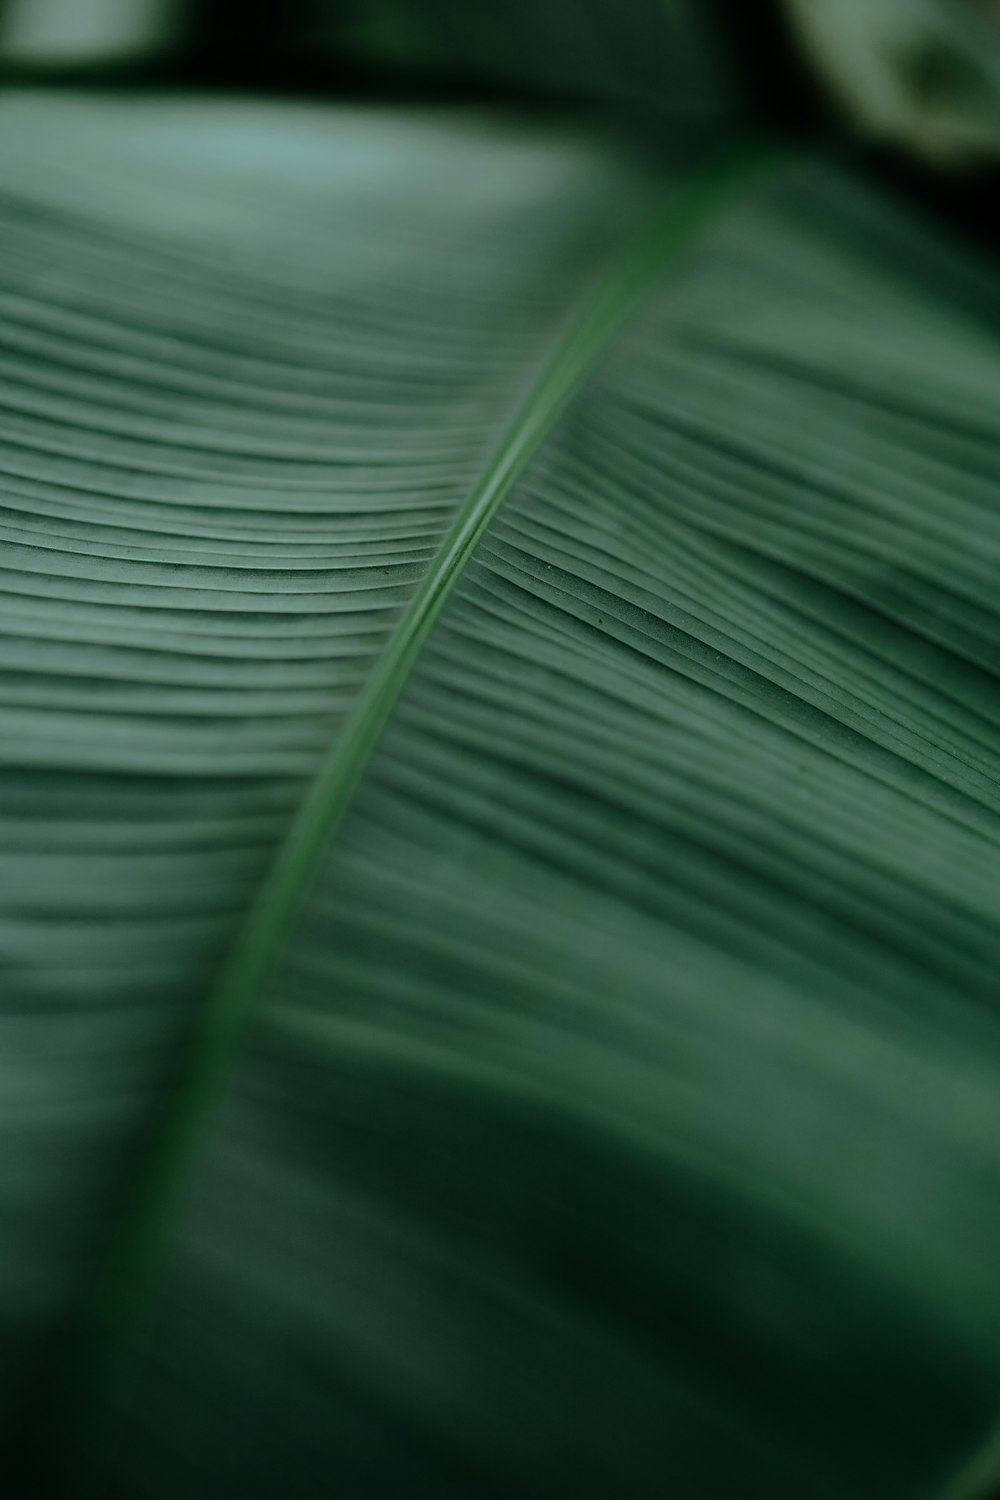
[552, 592]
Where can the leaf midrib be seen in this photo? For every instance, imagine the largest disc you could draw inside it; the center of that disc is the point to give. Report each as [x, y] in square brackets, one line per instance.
[139, 1238]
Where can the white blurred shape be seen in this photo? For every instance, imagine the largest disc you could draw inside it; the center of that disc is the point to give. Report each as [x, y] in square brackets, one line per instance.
[57, 32]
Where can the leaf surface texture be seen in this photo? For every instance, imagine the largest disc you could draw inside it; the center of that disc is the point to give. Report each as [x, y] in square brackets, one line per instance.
[621, 1114]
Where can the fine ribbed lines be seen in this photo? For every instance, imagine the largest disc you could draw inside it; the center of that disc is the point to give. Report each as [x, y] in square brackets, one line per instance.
[643, 1016]
[228, 1008]
[597, 720]
[235, 433]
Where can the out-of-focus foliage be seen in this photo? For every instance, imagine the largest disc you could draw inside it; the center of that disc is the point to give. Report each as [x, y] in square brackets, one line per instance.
[923, 74]
[669, 57]
[620, 1112]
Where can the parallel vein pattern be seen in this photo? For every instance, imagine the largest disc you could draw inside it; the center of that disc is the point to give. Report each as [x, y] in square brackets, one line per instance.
[624, 1118]
[621, 1117]
[255, 365]
[228, 1008]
